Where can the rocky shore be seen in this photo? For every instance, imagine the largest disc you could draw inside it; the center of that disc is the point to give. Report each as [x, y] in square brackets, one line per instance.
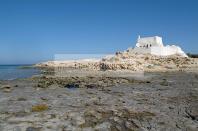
[129, 61]
[124, 92]
[154, 101]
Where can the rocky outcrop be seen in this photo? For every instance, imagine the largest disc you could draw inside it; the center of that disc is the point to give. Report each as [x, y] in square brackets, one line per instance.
[128, 60]
[163, 101]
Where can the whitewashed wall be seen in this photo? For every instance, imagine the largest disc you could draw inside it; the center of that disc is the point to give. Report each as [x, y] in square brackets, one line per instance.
[153, 41]
[167, 50]
[159, 51]
[141, 50]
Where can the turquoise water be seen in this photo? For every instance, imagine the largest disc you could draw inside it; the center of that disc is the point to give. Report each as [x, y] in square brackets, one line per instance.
[11, 72]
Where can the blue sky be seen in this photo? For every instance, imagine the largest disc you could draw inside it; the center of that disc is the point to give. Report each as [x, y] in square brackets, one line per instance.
[35, 30]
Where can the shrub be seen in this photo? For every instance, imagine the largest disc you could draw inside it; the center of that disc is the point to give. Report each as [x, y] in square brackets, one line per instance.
[192, 55]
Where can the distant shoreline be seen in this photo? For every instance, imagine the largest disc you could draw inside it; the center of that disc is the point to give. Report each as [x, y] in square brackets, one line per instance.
[17, 64]
[191, 55]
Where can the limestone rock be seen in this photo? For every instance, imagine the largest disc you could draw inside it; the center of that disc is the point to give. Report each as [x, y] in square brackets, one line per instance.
[6, 88]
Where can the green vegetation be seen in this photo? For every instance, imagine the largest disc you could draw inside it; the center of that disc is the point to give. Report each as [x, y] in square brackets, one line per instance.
[192, 55]
[39, 108]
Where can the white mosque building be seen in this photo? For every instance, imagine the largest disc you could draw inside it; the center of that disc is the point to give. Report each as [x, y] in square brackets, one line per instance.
[155, 46]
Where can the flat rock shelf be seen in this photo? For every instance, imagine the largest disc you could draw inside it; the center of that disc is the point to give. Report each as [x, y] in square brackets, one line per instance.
[157, 101]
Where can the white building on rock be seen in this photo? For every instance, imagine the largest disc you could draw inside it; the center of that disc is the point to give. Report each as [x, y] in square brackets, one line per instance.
[155, 46]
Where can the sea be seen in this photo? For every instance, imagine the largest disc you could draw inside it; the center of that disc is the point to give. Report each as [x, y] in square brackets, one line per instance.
[11, 72]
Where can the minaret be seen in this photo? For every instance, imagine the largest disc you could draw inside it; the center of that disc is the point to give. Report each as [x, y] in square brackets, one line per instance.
[137, 44]
[138, 37]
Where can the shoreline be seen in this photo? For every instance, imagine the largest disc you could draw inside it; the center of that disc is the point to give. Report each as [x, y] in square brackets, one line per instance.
[100, 103]
[115, 98]
[128, 61]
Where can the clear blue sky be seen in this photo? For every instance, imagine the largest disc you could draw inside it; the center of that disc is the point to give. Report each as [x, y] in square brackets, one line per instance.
[35, 30]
